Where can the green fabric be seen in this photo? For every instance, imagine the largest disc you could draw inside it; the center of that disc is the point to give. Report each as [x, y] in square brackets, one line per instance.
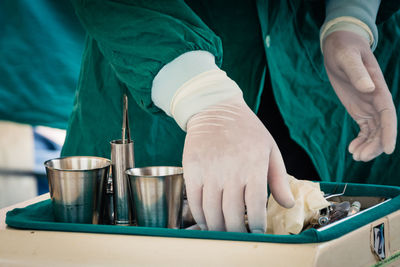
[40, 216]
[315, 117]
[238, 27]
[386, 9]
[129, 42]
[41, 46]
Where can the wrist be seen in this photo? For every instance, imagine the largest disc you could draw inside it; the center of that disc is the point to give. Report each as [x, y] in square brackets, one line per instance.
[174, 74]
[206, 89]
[189, 84]
[349, 24]
[359, 12]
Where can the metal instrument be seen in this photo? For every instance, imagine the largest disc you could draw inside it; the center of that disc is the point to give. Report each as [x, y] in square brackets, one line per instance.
[329, 196]
[122, 157]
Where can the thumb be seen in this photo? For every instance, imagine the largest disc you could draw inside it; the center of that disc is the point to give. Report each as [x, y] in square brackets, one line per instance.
[278, 179]
[353, 66]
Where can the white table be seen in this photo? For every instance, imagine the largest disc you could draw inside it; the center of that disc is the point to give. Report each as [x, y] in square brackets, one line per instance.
[49, 248]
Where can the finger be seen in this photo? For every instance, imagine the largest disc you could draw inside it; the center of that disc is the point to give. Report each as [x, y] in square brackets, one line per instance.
[278, 180]
[194, 192]
[359, 149]
[383, 103]
[368, 130]
[359, 140]
[362, 135]
[212, 206]
[372, 141]
[374, 70]
[389, 130]
[233, 207]
[354, 68]
[371, 149]
[256, 196]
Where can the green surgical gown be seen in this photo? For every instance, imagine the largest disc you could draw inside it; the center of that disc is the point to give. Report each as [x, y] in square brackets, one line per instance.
[128, 42]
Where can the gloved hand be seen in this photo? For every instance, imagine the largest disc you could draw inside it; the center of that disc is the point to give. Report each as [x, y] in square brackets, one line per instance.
[229, 158]
[359, 83]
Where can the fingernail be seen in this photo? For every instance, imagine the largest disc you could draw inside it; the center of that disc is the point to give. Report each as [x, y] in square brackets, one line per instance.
[257, 231]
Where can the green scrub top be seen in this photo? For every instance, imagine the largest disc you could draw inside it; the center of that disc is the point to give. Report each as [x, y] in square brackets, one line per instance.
[128, 42]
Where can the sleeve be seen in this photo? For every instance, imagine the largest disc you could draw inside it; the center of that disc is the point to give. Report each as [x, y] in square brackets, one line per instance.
[138, 38]
[352, 14]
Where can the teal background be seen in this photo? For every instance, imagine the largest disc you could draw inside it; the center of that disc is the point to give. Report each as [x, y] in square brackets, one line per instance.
[41, 45]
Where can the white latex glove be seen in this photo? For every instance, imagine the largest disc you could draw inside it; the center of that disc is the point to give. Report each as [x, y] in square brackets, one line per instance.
[229, 158]
[359, 83]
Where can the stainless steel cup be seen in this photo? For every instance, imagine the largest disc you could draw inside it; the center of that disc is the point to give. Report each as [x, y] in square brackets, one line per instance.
[76, 186]
[158, 195]
[122, 159]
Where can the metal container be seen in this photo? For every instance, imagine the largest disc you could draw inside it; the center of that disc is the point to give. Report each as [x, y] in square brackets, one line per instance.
[76, 186]
[158, 195]
[108, 206]
[122, 159]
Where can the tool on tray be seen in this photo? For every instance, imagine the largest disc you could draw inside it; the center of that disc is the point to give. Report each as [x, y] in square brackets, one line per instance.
[122, 158]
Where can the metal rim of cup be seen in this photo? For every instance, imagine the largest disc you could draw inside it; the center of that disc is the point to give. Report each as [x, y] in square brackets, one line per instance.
[177, 171]
[47, 163]
[119, 142]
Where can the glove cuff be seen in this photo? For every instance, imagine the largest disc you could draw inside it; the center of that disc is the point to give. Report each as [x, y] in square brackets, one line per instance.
[174, 74]
[358, 10]
[350, 24]
[205, 90]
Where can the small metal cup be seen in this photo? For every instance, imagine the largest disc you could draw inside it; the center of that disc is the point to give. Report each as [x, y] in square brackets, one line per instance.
[158, 195]
[76, 186]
